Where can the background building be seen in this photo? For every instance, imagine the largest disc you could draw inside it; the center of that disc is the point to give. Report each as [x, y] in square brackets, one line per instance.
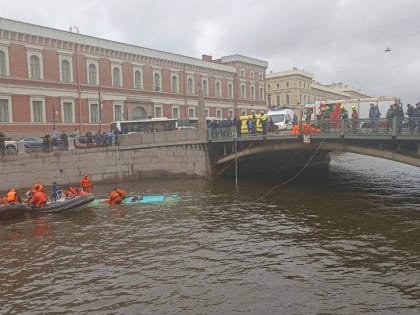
[293, 87]
[50, 77]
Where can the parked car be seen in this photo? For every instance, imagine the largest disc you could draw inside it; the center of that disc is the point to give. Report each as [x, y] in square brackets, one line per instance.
[7, 145]
[32, 142]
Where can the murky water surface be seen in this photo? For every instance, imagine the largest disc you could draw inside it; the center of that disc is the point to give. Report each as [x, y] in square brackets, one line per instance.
[347, 242]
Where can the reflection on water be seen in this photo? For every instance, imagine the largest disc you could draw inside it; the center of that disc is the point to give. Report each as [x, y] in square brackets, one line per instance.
[345, 242]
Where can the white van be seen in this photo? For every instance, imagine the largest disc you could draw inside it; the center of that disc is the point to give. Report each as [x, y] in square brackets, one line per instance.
[282, 118]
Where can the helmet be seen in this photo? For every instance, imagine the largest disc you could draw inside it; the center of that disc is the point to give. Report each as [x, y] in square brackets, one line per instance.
[342, 107]
[353, 107]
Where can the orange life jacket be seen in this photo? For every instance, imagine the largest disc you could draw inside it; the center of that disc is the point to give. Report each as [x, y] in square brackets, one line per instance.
[114, 197]
[12, 196]
[121, 192]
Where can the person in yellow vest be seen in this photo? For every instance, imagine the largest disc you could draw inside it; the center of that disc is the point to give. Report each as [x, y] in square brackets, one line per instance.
[264, 119]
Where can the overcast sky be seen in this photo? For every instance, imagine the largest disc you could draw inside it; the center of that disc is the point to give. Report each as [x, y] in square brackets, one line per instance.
[336, 40]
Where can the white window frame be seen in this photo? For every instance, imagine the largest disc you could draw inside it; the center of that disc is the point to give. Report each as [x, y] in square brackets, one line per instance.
[160, 80]
[96, 64]
[135, 69]
[38, 53]
[252, 91]
[155, 111]
[243, 94]
[242, 73]
[176, 88]
[172, 111]
[62, 58]
[231, 113]
[5, 50]
[113, 66]
[205, 92]
[218, 93]
[251, 74]
[73, 113]
[42, 100]
[193, 112]
[261, 76]
[114, 106]
[9, 107]
[231, 92]
[96, 102]
[193, 87]
[261, 93]
[219, 113]
[206, 110]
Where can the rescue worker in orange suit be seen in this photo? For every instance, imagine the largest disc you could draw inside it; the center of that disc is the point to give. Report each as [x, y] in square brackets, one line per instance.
[73, 191]
[116, 196]
[12, 196]
[86, 184]
[39, 199]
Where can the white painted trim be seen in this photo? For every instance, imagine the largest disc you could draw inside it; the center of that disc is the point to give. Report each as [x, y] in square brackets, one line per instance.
[90, 61]
[172, 111]
[8, 98]
[205, 93]
[73, 113]
[193, 84]
[140, 69]
[68, 58]
[193, 108]
[119, 66]
[93, 102]
[161, 111]
[114, 105]
[155, 88]
[38, 53]
[5, 50]
[176, 90]
[215, 88]
[42, 100]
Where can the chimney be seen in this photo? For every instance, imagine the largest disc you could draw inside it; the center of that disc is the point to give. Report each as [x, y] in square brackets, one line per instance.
[207, 58]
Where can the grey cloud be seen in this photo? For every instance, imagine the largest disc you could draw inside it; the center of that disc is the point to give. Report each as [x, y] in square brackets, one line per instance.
[337, 40]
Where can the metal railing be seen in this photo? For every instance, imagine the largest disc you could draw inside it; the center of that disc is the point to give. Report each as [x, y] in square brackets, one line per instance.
[363, 128]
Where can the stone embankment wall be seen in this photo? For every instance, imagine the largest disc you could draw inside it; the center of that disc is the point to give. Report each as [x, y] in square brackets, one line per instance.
[177, 153]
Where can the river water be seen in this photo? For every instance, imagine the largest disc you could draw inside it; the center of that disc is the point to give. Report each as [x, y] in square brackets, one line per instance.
[343, 242]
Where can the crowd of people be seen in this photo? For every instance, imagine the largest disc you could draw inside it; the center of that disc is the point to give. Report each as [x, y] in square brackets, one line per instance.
[37, 196]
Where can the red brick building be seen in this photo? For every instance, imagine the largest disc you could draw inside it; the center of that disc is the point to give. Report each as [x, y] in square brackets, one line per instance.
[52, 77]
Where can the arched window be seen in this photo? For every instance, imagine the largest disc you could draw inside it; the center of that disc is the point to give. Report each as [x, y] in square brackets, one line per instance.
[65, 71]
[137, 79]
[190, 85]
[252, 92]
[218, 89]
[92, 74]
[116, 77]
[174, 82]
[230, 90]
[139, 113]
[243, 91]
[156, 81]
[287, 99]
[35, 69]
[205, 90]
[2, 63]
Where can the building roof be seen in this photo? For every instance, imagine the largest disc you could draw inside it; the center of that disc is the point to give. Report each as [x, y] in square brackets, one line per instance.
[47, 32]
[294, 71]
[245, 59]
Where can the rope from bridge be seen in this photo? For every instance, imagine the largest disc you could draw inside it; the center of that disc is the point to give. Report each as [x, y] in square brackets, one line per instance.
[295, 176]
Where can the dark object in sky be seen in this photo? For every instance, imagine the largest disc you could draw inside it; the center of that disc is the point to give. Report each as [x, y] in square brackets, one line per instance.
[387, 49]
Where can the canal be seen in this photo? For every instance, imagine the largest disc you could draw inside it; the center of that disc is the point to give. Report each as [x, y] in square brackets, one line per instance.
[342, 242]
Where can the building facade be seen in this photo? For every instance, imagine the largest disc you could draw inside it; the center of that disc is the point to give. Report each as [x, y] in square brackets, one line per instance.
[54, 78]
[295, 88]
